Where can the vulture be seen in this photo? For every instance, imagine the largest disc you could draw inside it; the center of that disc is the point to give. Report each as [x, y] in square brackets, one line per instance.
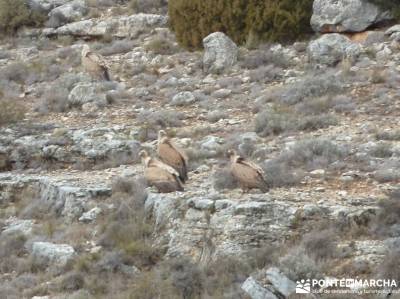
[248, 174]
[160, 175]
[95, 64]
[172, 155]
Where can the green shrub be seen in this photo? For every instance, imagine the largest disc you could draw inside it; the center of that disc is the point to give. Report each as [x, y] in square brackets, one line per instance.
[11, 112]
[15, 14]
[245, 21]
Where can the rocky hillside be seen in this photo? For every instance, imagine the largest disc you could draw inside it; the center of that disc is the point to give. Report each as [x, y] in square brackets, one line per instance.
[320, 116]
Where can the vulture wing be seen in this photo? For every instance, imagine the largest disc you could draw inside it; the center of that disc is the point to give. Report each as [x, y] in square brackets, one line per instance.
[175, 157]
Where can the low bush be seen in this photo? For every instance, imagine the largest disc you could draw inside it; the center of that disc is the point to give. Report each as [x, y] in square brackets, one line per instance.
[297, 264]
[320, 244]
[290, 167]
[223, 179]
[128, 230]
[390, 267]
[161, 45]
[381, 150]
[388, 135]
[149, 6]
[11, 111]
[117, 47]
[280, 119]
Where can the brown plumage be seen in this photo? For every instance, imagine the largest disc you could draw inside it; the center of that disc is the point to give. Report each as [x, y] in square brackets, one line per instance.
[172, 155]
[248, 174]
[160, 175]
[95, 64]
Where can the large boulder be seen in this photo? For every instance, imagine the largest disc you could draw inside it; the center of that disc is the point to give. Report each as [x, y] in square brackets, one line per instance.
[220, 52]
[345, 15]
[329, 49]
[49, 254]
[67, 13]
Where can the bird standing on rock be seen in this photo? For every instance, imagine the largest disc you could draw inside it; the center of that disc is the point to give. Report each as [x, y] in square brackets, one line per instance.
[160, 175]
[95, 64]
[248, 174]
[172, 155]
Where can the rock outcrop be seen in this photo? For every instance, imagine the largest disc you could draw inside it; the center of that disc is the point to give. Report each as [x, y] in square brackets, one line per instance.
[345, 15]
[123, 26]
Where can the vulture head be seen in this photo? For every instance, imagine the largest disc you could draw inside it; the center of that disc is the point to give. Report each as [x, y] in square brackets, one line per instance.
[162, 134]
[231, 154]
[144, 156]
[85, 50]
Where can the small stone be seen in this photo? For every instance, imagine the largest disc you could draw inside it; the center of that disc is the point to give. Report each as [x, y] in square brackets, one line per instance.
[183, 98]
[317, 173]
[90, 215]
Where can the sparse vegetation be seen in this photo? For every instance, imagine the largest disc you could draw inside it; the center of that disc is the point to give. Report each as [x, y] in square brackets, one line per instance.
[280, 119]
[117, 47]
[291, 165]
[161, 45]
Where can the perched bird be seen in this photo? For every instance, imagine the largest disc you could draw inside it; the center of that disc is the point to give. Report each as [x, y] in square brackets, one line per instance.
[160, 175]
[95, 64]
[248, 174]
[172, 155]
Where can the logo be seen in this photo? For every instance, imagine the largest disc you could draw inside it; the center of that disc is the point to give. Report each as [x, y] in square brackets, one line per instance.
[330, 285]
[303, 286]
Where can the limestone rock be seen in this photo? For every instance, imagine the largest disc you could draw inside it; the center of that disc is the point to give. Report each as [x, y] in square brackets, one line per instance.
[45, 5]
[220, 53]
[67, 13]
[50, 254]
[183, 98]
[273, 284]
[329, 49]
[86, 93]
[394, 33]
[18, 225]
[91, 215]
[345, 15]
[123, 26]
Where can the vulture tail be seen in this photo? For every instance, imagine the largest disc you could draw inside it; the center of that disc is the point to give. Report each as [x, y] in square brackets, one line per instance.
[107, 75]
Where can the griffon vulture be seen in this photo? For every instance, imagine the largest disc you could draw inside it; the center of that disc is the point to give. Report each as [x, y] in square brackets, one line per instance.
[160, 175]
[248, 174]
[95, 64]
[172, 155]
